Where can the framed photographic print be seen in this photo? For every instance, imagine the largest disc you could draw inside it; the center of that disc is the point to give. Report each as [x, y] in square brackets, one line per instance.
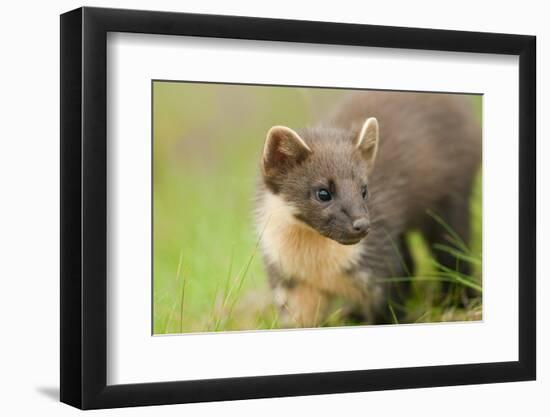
[256, 207]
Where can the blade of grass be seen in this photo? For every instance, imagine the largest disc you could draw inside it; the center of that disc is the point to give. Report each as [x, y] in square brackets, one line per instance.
[216, 316]
[244, 272]
[460, 255]
[416, 278]
[228, 277]
[178, 269]
[182, 303]
[447, 277]
[419, 319]
[334, 314]
[274, 322]
[454, 273]
[456, 278]
[398, 253]
[455, 237]
[393, 316]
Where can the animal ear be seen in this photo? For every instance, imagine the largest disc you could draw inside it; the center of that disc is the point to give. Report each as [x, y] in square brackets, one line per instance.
[283, 149]
[367, 140]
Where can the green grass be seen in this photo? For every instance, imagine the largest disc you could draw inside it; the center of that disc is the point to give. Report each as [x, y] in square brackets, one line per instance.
[208, 274]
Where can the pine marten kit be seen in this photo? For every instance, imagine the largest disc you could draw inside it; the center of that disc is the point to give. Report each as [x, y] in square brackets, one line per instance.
[336, 200]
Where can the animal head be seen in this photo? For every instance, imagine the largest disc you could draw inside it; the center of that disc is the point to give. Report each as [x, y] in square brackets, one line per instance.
[322, 174]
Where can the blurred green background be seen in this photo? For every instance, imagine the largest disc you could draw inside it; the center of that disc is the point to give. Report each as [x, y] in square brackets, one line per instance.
[208, 275]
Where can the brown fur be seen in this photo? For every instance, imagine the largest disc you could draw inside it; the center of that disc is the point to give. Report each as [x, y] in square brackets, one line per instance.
[426, 158]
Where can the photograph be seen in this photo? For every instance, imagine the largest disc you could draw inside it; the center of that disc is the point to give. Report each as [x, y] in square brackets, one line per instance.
[281, 207]
[259, 206]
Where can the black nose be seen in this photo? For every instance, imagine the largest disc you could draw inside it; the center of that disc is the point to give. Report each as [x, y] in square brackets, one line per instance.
[361, 225]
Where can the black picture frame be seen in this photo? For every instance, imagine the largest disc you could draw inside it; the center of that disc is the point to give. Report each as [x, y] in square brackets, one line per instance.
[84, 207]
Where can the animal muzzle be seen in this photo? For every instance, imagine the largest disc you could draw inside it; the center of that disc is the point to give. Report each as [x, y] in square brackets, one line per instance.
[361, 226]
[357, 230]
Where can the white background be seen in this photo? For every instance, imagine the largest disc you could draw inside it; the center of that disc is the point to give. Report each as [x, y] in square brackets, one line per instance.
[29, 225]
[133, 60]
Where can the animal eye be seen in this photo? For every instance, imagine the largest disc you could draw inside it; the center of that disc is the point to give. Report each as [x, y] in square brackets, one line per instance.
[324, 195]
[364, 192]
